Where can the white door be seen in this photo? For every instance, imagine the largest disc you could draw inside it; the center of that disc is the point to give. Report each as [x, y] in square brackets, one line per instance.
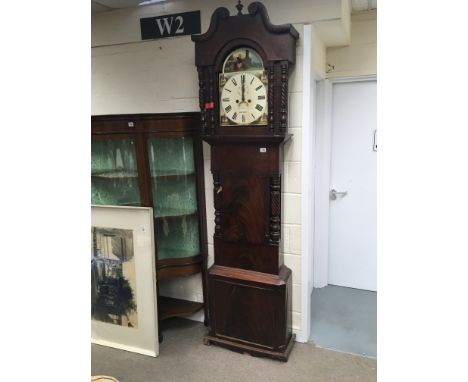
[353, 215]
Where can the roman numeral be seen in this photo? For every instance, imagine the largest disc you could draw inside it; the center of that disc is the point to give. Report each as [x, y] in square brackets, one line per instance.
[228, 108]
[243, 118]
[259, 107]
[228, 99]
[243, 77]
[253, 116]
[258, 87]
[252, 80]
[261, 97]
[234, 82]
[227, 90]
[234, 116]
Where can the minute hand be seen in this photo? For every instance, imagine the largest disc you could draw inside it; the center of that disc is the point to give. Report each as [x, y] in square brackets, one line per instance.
[243, 87]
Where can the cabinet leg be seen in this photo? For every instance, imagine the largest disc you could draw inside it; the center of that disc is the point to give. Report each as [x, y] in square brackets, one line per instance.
[160, 336]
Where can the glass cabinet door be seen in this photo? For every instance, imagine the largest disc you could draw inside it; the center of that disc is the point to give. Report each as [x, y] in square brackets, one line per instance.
[173, 182]
[114, 175]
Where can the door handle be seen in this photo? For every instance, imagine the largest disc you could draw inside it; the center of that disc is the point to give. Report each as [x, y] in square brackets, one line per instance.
[334, 193]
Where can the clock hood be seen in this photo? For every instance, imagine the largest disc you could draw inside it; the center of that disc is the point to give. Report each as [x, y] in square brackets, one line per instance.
[226, 32]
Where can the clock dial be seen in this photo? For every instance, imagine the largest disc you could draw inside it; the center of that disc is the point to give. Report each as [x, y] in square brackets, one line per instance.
[243, 98]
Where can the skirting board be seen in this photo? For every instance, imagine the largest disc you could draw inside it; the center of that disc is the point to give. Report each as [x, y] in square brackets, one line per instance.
[298, 333]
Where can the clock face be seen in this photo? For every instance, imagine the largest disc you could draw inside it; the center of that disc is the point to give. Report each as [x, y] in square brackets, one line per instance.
[243, 99]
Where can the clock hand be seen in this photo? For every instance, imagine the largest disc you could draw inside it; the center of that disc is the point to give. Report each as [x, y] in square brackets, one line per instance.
[243, 88]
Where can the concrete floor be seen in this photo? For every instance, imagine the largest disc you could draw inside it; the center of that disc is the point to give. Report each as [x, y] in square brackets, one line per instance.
[184, 358]
[344, 319]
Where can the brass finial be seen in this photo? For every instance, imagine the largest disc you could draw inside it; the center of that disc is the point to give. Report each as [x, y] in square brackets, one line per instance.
[239, 7]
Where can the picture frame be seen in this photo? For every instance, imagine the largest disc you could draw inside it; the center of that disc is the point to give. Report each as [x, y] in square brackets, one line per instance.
[123, 279]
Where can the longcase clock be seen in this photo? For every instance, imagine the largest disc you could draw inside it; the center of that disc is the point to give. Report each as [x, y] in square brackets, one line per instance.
[243, 64]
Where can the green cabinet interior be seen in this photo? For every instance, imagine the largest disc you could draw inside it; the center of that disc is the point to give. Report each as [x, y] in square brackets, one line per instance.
[172, 169]
[114, 174]
[159, 165]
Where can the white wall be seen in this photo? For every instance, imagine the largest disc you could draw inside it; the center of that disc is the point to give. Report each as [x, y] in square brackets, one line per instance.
[146, 77]
[122, 26]
[319, 55]
[360, 56]
[133, 76]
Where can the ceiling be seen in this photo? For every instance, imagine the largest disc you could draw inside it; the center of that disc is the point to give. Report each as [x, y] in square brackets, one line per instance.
[109, 5]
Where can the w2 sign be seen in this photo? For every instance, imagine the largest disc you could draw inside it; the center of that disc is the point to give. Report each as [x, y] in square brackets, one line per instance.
[179, 24]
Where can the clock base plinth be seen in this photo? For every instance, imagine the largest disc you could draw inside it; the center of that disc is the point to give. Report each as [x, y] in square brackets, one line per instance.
[252, 350]
[250, 312]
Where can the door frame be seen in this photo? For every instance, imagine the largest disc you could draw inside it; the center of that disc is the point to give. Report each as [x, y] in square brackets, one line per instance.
[322, 175]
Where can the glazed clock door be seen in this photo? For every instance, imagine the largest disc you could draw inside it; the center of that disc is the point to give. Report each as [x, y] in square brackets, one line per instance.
[114, 174]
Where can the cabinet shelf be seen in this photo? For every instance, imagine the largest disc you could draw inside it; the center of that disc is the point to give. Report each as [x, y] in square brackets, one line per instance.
[179, 267]
[174, 307]
[176, 214]
[167, 253]
[177, 237]
[174, 195]
[172, 175]
[115, 191]
[114, 175]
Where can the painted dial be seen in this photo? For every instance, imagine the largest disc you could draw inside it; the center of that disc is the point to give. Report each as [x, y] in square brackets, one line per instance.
[243, 98]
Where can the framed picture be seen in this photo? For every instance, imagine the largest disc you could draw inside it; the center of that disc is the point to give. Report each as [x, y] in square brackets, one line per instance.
[123, 279]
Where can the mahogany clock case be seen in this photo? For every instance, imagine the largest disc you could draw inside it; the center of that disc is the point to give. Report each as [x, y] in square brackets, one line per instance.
[249, 287]
[275, 44]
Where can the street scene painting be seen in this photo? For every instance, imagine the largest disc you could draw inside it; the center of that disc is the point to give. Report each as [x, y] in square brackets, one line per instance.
[113, 277]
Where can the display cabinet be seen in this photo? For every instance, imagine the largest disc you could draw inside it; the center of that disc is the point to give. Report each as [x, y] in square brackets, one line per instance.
[155, 160]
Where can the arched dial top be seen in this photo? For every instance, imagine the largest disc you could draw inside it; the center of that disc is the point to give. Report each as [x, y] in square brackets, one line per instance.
[243, 89]
[242, 59]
